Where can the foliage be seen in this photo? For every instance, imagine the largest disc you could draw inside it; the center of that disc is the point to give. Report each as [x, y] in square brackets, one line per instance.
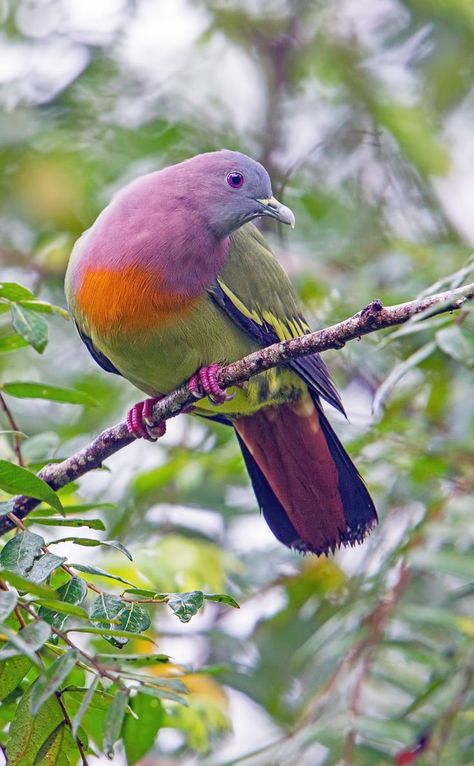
[364, 658]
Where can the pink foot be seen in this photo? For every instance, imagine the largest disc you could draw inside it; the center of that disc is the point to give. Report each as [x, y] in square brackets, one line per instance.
[140, 421]
[204, 381]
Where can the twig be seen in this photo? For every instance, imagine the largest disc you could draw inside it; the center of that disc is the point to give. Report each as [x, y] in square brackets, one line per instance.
[372, 318]
[15, 437]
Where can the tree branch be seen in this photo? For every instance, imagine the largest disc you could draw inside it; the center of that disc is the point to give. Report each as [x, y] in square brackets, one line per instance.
[370, 319]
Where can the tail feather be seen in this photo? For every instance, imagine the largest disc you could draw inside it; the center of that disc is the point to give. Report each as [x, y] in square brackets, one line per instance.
[308, 489]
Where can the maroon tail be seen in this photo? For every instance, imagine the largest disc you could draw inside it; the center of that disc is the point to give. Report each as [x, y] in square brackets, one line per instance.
[308, 489]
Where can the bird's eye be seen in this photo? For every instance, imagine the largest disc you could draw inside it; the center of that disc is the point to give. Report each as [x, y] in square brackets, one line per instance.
[235, 179]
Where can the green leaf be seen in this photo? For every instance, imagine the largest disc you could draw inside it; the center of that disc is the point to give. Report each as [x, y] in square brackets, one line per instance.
[139, 734]
[89, 542]
[458, 343]
[186, 605]
[113, 721]
[59, 749]
[11, 341]
[28, 733]
[145, 593]
[12, 291]
[51, 607]
[222, 598]
[133, 619]
[51, 680]
[44, 566]
[107, 633]
[60, 522]
[25, 585]
[26, 390]
[20, 552]
[44, 307]
[8, 601]
[115, 614]
[397, 374]
[17, 480]
[27, 641]
[68, 597]
[138, 660]
[430, 615]
[99, 572]
[164, 694]
[105, 608]
[12, 671]
[31, 326]
[86, 701]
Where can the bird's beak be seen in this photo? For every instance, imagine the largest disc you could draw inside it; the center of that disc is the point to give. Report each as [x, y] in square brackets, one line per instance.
[276, 210]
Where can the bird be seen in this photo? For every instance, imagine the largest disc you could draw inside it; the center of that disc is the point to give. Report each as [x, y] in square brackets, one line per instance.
[174, 280]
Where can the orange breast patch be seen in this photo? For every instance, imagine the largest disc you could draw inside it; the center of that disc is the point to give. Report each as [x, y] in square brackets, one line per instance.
[130, 299]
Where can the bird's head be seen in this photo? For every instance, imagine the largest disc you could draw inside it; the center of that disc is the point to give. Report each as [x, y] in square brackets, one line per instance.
[231, 189]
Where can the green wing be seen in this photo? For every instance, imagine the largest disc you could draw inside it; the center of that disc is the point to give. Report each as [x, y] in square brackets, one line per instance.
[256, 293]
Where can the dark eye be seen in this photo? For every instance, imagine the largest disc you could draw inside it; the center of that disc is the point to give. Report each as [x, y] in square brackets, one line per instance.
[235, 179]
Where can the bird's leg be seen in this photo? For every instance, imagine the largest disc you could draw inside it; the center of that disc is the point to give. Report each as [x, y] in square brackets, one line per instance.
[140, 420]
[204, 381]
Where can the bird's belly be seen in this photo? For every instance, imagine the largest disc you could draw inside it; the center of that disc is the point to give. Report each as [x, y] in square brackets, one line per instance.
[163, 357]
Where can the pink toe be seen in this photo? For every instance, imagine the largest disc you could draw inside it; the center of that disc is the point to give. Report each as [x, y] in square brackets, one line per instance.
[193, 385]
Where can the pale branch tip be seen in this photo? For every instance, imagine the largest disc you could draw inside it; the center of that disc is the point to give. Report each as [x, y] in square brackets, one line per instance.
[375, 316]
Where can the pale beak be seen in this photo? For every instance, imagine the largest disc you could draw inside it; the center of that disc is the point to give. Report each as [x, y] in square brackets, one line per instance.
[276, 210]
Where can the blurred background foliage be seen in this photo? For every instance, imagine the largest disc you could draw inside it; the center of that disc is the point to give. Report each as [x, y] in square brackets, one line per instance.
[362, 112]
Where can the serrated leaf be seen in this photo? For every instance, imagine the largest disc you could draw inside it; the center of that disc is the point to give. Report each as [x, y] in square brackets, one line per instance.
[86, 701]
[222, 598]
[20, 552]
[139, 734]
[51, 680]
[99, 572]
[60, 522]
[12, 671]
[89, 542]
[28, 733]
[8, 601]
[27, 390]
[27, 641]
[31, 326]
[15, 479]
[12, 291]
[113, 721]
[44, 566]
[186, 605]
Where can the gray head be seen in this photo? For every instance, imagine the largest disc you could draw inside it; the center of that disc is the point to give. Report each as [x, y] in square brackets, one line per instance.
[228, 189]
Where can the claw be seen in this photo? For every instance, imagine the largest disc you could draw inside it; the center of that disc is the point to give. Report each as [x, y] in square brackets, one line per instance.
[205, 381]
[140, 421]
